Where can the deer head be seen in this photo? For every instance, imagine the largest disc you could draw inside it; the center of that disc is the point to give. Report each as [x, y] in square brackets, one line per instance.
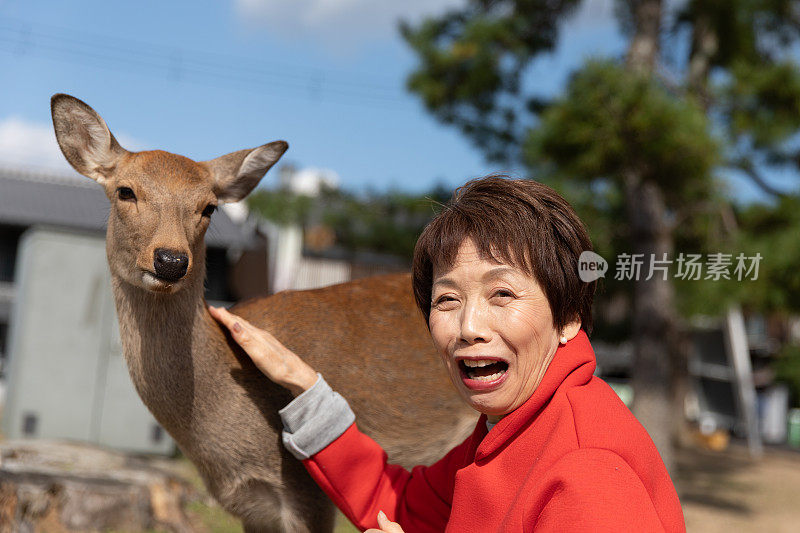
[161, 203]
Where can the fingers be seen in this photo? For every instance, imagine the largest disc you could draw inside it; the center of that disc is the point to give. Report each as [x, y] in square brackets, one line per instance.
[275, 361]
[225, 317]
[242, 330]
[255, 342]
[386, 525]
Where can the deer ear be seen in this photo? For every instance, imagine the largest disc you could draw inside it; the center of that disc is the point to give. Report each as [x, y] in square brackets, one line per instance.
[84, 138]
[238, 173]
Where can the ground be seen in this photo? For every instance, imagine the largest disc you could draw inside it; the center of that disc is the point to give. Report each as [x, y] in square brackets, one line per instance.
[720, 492]
[727, 491]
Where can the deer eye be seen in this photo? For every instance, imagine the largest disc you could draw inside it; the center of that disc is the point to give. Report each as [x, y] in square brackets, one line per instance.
[126, 194]
[209, 210]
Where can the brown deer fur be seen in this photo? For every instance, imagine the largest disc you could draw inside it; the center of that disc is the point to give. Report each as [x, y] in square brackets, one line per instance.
[366, 337]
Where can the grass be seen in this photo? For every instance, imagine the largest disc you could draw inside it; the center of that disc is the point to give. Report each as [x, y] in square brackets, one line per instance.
[214, 519]
[211, 518]
[343, 525]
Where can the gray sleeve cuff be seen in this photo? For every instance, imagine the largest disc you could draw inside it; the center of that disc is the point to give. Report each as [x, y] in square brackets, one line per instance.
[315, 419]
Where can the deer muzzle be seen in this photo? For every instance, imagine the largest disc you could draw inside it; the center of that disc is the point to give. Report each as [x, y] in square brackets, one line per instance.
[170, 265]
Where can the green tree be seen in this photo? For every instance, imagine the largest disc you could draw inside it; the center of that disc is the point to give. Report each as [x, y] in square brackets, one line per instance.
[628, 129]
[387, 223]
[772, 231]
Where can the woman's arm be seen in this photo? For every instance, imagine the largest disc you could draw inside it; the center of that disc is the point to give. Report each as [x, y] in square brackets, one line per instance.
[354, 473]
[348, 465]
[593, 489]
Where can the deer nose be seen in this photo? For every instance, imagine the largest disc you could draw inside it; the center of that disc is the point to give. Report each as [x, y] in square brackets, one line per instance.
[169, 264]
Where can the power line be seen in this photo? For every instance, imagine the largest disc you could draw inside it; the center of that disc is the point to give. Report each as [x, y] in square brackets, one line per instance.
[214, 69]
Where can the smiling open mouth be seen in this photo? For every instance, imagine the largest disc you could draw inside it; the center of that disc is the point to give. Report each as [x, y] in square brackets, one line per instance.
[483, 370]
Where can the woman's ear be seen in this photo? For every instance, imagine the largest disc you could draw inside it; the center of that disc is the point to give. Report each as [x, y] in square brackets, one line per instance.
[570, 330]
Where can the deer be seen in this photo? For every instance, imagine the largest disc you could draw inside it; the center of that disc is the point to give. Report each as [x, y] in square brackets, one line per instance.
[366, 336]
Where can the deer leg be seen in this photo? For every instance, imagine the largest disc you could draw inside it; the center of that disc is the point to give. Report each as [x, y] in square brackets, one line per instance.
[322, 520]
[312, 515]
[298, 507]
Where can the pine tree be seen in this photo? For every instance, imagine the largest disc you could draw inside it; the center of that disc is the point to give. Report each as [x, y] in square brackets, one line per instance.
[704, 86]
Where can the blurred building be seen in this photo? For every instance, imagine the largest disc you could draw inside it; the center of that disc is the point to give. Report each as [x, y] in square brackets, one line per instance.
[60, 354]
[308, 181]
[732, 385]
[309, 257]
[62, 366]
[47, 200]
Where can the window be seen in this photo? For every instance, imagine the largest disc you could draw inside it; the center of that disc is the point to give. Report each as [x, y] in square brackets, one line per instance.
[9, 239]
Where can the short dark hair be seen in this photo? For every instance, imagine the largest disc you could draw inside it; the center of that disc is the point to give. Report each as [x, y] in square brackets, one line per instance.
[522, 223]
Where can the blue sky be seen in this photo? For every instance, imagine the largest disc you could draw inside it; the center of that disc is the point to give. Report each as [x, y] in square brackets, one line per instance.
[328, 76]
[204, 78]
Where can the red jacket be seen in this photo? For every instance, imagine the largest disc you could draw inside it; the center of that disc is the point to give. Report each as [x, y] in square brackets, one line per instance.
[572, 458]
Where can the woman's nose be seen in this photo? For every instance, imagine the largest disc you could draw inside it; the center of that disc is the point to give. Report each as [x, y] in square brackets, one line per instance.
[475, 324]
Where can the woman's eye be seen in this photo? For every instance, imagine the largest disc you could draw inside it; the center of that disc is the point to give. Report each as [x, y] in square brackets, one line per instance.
[445, 302]
[126, 194]
[209, 210]
[503, 294]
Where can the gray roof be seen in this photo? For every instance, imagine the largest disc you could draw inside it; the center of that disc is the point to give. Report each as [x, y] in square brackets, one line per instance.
[29, 198]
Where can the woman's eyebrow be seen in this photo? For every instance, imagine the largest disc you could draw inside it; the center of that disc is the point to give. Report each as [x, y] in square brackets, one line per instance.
[445, 282]
[499, 272]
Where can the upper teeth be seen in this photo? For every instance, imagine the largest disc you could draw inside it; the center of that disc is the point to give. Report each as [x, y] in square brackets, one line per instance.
[480, 362]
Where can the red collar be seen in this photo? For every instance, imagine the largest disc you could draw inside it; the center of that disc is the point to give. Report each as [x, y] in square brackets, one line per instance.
[573, 364]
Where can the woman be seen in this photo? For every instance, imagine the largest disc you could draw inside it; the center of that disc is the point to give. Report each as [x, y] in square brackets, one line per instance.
[495, 275]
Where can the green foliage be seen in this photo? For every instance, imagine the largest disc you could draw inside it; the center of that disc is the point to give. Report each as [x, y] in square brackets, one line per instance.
[610, 123]
[389, 224]
[772, 231]
[763, 101]
[787, 370]
[471, 62]
[611, 119]
[386, 223]
[281, 206]
[755, 98]
[750, 30]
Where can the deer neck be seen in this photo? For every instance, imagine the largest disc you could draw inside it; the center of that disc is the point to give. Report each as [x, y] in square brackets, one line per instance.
[160, 336]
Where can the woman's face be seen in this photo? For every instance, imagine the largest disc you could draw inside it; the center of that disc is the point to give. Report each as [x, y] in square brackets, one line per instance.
[491, 323]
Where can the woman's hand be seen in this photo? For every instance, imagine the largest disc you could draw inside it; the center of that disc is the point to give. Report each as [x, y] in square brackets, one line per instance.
[275, 360]
[385, 525]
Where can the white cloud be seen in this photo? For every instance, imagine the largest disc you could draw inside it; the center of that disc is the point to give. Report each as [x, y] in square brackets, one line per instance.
[25, 143]
[33, 144]
[348, 23]
[342, 21]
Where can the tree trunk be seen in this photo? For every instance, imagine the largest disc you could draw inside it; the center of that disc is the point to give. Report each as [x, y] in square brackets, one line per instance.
[643, 50]
[680, 346]
[651, 235]
[653, 314]
[704, 47]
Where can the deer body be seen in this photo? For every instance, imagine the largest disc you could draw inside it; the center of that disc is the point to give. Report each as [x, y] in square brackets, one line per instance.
[365, 337]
